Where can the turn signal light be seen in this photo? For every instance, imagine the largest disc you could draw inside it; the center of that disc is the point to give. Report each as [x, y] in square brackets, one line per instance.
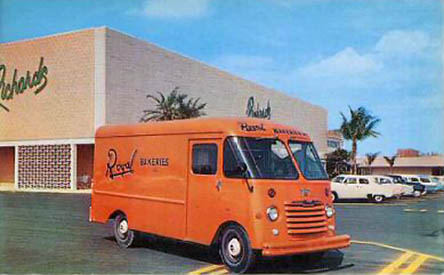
[271, 193]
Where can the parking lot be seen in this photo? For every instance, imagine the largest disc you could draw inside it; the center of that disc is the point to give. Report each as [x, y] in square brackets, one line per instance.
[50, 233]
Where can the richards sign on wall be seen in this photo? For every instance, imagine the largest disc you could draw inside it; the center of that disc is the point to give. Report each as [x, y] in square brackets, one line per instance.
[18, 85]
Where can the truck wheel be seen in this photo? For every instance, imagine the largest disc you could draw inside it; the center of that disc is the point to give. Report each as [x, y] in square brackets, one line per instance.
[416, 193]
[334, 196]
[123, 235]
[378, 198]
[235, 249]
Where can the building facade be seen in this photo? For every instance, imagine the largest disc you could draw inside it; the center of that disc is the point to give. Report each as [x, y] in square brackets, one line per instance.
[335, 140]
[57, 90]
[405, 153]
[420, 165]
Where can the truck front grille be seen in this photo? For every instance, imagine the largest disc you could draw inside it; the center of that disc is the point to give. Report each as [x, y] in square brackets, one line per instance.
[305, 217]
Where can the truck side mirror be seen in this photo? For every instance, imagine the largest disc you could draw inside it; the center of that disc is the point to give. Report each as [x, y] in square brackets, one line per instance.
[243, 171]
[242, 168]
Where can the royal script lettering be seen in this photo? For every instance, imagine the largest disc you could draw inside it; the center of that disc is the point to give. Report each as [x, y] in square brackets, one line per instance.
[18, 85]
[114, 168]
[252, 128]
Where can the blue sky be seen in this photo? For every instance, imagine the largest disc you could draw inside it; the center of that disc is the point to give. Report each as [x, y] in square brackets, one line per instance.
[383, 55]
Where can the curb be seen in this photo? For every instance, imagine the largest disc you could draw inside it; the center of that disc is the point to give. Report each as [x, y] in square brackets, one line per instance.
[87, 191]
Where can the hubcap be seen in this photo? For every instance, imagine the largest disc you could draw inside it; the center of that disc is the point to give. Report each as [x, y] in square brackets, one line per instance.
[123, 227]
[234, 247]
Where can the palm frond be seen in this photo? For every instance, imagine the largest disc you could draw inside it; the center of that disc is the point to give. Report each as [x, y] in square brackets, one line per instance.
[175, 105]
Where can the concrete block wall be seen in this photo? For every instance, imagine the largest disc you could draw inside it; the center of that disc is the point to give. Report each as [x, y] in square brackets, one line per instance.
[135, 68]
[64, 108]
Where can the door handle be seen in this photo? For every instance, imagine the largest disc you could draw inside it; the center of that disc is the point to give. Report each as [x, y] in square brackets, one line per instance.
[218, 185]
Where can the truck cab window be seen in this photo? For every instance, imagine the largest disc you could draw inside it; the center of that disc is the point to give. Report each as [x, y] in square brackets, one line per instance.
[204, 159]
[265, 158]
[308, 160]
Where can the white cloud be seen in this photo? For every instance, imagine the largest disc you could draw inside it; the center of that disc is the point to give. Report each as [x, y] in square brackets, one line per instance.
[403, 43]
[176, 8]
[395, 59]
[344, 63]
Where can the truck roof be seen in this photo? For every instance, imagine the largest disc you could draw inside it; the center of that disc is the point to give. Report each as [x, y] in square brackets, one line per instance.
[229, 125]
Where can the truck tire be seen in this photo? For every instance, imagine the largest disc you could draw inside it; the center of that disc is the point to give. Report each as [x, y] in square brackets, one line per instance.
[235, 249]
[334, 196]
[314, 258]
[123, 235]
[378, 198]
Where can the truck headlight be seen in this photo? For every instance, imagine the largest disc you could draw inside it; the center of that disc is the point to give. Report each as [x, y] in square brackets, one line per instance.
[272, 213]
[329, 211]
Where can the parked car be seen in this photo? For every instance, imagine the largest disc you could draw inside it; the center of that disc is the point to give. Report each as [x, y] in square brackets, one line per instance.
[430, 187]
[439, 180]
[361, 187]
[399, 189]
[417, 188]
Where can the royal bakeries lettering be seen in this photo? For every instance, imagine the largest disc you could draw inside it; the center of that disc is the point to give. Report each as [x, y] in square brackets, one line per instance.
[117, 168]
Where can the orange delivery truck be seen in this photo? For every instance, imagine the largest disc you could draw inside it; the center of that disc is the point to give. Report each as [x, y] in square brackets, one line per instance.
[247, 186]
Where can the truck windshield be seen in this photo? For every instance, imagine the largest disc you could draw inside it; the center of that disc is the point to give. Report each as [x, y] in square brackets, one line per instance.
[308, 160]
[264, 158]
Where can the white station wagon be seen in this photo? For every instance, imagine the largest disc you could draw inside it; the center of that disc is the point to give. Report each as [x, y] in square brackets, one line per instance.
[361, 187]
[400, 189]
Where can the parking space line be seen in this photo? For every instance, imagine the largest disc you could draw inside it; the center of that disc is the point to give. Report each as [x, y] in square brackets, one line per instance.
[368, 204]
[206, 269]
[440, 259]
[220, 271]
[415, 265]
[421, 258]
[396, 264]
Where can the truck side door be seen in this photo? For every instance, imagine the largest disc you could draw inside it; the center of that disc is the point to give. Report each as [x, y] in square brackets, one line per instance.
[204, 178]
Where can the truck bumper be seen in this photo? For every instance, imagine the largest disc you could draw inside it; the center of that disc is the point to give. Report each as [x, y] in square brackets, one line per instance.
[306, 246]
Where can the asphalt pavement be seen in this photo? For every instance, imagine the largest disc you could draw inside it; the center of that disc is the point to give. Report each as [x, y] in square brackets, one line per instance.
[50, 233]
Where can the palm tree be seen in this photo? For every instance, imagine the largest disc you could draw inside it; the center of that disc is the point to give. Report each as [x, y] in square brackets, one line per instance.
[173, 106]
[370, 159]
[338, 162]
[360, 126]
[391, 162]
